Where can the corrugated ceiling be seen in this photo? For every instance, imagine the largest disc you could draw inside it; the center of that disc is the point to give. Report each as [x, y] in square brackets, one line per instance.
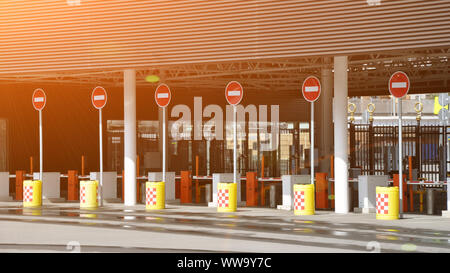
[60, 35]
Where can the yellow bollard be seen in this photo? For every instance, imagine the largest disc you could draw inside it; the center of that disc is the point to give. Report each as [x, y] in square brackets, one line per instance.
[304, 199]
[155, 195]
[226, 197]
[88, 194]
[32, 193]
[387, 203]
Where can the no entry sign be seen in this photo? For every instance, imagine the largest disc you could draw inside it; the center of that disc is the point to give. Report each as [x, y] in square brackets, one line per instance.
[234, 92]
[399, 84]
[39, 99]
[311, 88]
[99, 97]
[162, 98]
[162, 95]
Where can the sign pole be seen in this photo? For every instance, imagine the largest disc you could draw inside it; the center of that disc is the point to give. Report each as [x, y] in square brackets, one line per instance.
[400, 163]
[101, 154]
[399, 87]
[311, 91]
[235, 178]
[234, 94]
[162, 99]
[40, 145]
[164, 145]
[312, 143]
[39, 100]
[98, 99]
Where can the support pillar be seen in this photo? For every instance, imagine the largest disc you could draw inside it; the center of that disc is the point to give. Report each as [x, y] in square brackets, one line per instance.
[341, 134]
[129, 81]
[325, 117]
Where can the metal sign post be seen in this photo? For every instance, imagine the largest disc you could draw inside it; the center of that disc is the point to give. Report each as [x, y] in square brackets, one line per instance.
[311, 89]
[400, 161]
[101, 154]
[399, 87]
[41, 161]
[162, 98]
[233, 94]
[39, 99]
[312, 143]
[164, 145]
[235, 179]
[98, 99]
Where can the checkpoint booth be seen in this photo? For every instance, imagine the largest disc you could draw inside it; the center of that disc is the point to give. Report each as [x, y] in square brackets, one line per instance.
[4, 187]
[51, 182]
[109, 184]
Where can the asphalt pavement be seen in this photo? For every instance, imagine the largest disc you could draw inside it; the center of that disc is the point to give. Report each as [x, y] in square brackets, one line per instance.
[64, 227]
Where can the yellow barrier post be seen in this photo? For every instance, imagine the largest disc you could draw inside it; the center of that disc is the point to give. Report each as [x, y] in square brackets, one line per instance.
[387, 203]
[88, 194]
[155, 195]
[226, 197]
[32, 193]
[304, 199]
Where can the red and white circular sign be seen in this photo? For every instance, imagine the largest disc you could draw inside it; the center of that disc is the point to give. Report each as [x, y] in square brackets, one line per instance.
[311, 89]
[39, 99]
[162, 95]
[234, 92]
[99, 97]
[399, 84]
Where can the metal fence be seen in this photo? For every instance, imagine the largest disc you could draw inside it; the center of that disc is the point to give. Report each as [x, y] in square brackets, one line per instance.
[374, 149]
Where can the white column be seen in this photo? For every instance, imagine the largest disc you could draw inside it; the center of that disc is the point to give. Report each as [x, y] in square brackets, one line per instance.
[129, 117]
[326, 117]
[340, 134]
